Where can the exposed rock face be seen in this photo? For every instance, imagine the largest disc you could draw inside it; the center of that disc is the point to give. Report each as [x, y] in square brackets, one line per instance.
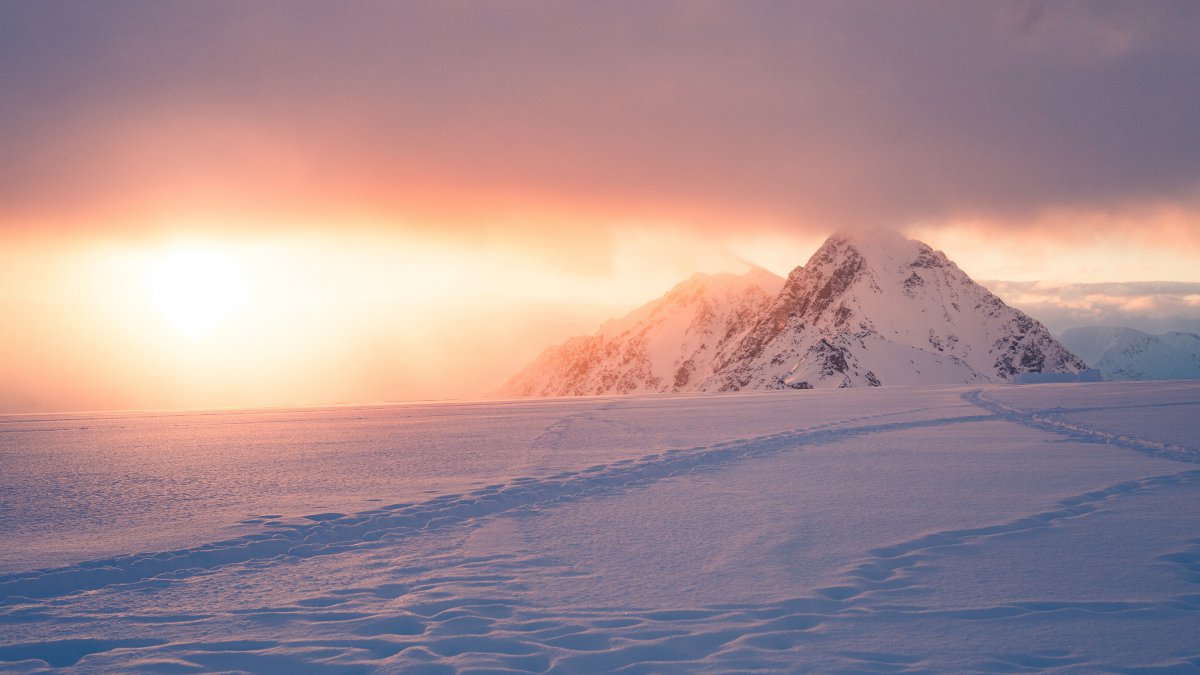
[866, 310]
[877, 308]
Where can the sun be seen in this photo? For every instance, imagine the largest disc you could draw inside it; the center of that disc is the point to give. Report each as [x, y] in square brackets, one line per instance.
[195, 289]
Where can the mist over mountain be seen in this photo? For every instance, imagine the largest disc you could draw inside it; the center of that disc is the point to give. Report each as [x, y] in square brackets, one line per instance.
[670, 344]
[1121, 353]
[867, 309]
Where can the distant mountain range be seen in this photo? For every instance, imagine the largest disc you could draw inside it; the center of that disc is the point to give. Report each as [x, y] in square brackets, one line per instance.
[1129, 354]
[868, 309]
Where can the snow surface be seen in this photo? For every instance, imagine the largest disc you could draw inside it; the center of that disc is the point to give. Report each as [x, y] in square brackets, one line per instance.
[905, 529]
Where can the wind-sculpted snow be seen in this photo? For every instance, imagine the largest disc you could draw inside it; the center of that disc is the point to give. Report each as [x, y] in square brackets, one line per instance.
[329, 533]
[916, 530]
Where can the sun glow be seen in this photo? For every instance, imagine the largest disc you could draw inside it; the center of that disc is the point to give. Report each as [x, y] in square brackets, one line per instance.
[195, 289]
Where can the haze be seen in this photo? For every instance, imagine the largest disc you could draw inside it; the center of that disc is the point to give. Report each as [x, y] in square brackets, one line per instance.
[208, 204]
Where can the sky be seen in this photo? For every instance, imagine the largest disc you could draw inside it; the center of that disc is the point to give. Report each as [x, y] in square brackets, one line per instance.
[208, 204]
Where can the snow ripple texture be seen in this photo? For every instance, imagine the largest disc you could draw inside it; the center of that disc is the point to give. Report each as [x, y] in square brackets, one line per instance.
[1087, 559]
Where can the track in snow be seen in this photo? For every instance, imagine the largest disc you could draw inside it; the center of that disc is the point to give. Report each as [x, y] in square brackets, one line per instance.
[462, 609]
[331, 533]
[1044, 420]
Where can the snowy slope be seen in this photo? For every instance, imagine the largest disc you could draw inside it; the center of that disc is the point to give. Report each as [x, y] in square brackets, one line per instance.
[876, 308]
[666, 345]
[1129, 354]
[905, 529]
[868, 309]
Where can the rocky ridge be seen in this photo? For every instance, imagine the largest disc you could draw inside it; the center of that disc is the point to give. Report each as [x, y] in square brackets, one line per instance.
[867, 309]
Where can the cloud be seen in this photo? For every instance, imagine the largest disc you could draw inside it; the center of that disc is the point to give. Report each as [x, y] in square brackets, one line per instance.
[598, 151]
[813, 115]
[1151, 306]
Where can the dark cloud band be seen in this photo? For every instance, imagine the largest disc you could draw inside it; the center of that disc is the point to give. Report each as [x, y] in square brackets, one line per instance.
[819, 114]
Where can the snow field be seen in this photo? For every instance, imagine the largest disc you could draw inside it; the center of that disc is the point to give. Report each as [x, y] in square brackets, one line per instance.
[893, 530]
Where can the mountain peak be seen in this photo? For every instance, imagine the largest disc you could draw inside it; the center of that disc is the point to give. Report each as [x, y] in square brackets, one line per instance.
[1121, 353]
[665, 345]
[880, 248]
[869, 307]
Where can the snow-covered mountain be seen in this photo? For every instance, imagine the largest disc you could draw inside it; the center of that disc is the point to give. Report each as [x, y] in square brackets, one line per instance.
[868, 309]
[666, 345]
[877, 308]
[1129, 354]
